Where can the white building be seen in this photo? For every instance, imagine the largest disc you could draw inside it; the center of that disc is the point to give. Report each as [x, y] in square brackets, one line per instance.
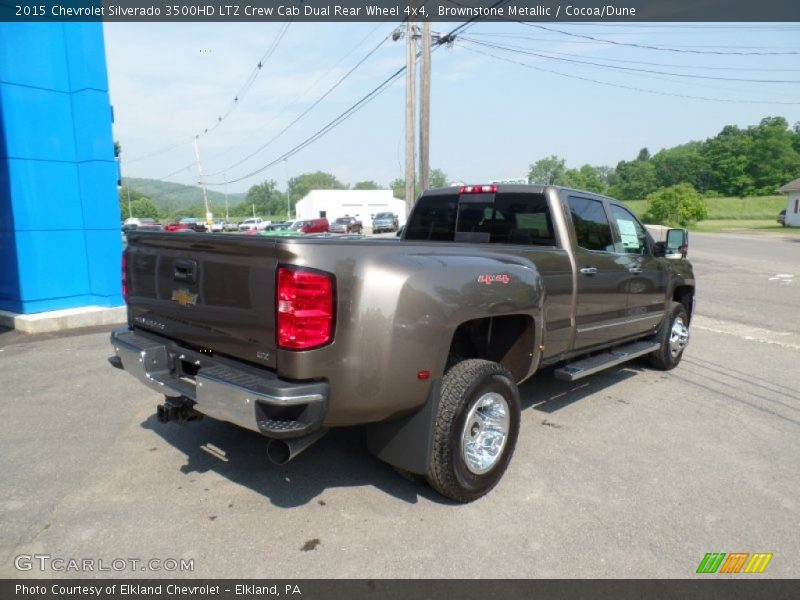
[362, 204]
[792, 191]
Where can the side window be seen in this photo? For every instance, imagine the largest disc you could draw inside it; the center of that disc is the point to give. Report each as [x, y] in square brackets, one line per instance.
[592, 229]
[633, 237]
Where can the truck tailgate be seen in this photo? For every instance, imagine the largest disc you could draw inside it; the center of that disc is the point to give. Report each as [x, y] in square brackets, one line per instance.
[216, 292]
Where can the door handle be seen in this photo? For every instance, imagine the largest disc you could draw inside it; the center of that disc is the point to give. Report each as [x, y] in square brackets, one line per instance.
[589, 271]
[635, 270]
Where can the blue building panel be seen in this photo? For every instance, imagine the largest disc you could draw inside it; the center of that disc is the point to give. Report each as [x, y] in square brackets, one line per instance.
[105, 272]
[93, 140]
[99, 196]
[82, 41]
[25, 45]
[46, 195]
[50, 266]
[60, 244]
[37, 123]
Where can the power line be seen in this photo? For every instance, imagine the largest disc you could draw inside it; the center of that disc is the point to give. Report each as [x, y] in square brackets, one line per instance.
[188, 166]
[633, 69]
[236, 101]
[232, 105]
[319, 133]
[638, 62]
[659, 48]
[380, 88]
[306, 111]
[623, 86]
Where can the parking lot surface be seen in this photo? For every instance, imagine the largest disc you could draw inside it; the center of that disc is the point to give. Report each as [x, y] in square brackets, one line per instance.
[631, 473]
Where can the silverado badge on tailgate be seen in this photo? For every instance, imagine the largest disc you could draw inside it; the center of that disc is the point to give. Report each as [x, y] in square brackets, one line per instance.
[184, 297]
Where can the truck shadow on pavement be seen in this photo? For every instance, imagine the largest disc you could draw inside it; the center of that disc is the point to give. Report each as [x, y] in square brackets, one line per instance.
[339, 459]
[545, 393]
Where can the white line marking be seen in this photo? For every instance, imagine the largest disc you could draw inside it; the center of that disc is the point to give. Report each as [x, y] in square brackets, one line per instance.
[745, 332]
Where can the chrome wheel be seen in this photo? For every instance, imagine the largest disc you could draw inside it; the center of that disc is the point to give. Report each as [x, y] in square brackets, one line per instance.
[678, 337]
[485, 433]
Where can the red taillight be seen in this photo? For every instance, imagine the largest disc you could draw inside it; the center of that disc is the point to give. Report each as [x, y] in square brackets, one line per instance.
[305, 308]
[124, 277]
[478, 189]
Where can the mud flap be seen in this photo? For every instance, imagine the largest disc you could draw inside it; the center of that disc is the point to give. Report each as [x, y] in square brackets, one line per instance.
[407, 442]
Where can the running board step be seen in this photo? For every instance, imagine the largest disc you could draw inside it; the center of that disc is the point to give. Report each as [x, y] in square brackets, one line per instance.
[594, 364]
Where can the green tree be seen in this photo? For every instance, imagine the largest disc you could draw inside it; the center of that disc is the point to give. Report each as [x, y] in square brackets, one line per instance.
[773, 159]
[547, 170]
[266, 199]
[728, 154]
[644, 155]
[140, 205]
[366, 185]
[586, 178]
[300, 186]
[437, 178]
[679, 204]
[398, 186]
[633, 180]
[682, 164]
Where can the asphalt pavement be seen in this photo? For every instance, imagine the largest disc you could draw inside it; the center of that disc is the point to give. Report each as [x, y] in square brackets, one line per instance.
[631, 473]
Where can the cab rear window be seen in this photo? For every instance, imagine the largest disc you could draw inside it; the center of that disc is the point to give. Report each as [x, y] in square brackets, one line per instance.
[503, 218]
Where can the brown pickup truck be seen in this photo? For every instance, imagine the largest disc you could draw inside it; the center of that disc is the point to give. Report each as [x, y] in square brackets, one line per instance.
[423, 338]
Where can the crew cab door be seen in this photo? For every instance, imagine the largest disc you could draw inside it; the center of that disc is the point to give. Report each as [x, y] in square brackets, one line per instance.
[601, 312]
[647, 286]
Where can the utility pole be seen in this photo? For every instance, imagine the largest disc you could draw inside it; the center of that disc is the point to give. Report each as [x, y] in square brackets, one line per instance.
[425, 108]
[202, 183]
[288, 189]
[225, 175]
[411, 92]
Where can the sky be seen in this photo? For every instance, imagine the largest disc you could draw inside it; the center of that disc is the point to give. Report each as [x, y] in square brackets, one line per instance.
[502, 96]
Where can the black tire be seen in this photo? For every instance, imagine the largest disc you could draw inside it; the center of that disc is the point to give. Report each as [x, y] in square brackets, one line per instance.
[667, 356]
[463, 386]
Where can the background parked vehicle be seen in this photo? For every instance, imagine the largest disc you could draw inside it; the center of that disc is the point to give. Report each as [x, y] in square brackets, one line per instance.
[384, 221]
[219, 225]
[256, 223]
[782, 217]
[232, 226]
[345, 225]
[286, 229]
[312, 225]
[187, 223]
[135, 222]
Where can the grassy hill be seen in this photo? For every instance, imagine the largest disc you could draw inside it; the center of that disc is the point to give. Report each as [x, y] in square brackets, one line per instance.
[754, 208]
[173, 197]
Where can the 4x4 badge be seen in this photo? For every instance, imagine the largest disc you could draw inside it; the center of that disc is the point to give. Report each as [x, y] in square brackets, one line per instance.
[184, 297]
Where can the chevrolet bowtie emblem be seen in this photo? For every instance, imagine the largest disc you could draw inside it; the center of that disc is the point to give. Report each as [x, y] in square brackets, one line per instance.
[184, 297]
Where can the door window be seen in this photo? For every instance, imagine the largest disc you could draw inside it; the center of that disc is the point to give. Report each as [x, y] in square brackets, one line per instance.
[592, 230]
[633, 237]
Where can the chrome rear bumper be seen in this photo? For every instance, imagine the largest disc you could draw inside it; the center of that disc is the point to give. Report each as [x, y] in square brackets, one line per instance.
[222, 388]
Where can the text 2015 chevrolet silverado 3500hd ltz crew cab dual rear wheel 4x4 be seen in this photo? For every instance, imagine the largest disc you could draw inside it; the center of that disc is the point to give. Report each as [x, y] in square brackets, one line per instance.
[424, 338]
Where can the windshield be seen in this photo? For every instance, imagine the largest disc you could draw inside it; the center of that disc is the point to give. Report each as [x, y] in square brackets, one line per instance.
[384, 216]
[188, 220]
[343, 220]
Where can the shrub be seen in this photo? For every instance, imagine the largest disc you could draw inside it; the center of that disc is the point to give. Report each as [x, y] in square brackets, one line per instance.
[676, 205]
